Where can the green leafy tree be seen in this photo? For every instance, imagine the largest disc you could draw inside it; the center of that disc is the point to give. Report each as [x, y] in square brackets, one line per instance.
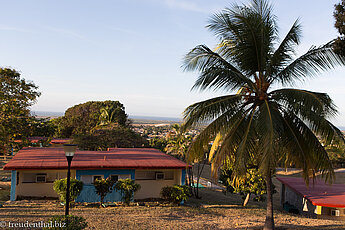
[158, 143]
[337, 155]
[84, 118]
[260, 121]
[16, 96]
[39, 127]
[339, 15]
[103, 187]
[252, 182]
[177, 142]
[60, 187]
[110, 138]
[127, 187]
[113, 114]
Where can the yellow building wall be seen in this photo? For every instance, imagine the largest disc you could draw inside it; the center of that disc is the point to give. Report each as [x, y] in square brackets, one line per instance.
[327, 211]
[33, 189]
[152, 188]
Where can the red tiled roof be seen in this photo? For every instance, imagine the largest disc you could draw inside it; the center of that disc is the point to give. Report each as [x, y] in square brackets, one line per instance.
[53, 141]
[318, 193]
[119, 158]
[60, 140]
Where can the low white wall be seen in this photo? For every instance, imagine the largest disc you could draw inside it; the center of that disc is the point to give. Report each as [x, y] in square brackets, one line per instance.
[152, 188]
[32, 189]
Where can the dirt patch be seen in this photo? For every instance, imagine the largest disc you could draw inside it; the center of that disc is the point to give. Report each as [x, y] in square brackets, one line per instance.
[220, 212]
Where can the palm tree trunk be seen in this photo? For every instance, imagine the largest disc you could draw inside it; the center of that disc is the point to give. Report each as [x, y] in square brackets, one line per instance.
[246, 200]
[102, 198]
[269, 223]
[197, 182]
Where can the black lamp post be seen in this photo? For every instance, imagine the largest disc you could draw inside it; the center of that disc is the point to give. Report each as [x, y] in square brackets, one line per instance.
[69, 153]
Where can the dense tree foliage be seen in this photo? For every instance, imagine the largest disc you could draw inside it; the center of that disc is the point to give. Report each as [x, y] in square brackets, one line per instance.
[110, 138]
[177, 142]
[262, 121]
[40, 127]
[337, 155]
[339, 15]
[158, 143]
[85, 118]
[252, 183]
[16, 96]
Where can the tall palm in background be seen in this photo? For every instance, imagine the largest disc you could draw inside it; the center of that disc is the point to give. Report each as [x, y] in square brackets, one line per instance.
[261, 121]
[178, 142]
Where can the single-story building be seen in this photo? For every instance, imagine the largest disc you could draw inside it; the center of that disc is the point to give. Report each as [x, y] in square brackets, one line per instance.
[54, 142]
[318, 199]
[35, 169]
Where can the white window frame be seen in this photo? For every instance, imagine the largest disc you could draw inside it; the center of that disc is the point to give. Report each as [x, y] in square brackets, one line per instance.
[41, 175]
[93, 177]
[157, 174]
[118, 176]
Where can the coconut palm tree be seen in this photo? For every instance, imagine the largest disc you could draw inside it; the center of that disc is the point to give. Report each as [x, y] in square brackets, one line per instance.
[264, 120]
[178, 141]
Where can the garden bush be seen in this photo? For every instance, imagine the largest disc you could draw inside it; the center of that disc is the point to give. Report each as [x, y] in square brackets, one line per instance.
[175, 194]
[60, 187]
[127, 187]
[103, 187]
[69, 223]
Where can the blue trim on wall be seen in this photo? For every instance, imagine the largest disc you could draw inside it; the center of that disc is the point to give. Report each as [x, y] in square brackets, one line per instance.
[183, 177]
[13, 185]
[88, 194]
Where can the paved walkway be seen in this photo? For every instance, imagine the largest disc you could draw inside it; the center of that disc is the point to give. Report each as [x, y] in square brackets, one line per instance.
[209, 184]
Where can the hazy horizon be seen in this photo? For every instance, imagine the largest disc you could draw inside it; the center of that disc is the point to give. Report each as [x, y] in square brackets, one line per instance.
[133, 116]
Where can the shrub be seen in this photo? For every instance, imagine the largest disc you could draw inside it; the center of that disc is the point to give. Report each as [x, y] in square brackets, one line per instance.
[69, 223]
[60, 187]
[175, 194]
[103, 187]
[127, 187]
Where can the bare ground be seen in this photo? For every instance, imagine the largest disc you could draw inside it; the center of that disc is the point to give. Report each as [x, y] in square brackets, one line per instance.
[214, 211]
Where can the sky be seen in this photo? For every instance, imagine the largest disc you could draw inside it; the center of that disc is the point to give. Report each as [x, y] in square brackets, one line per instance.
[132, 50]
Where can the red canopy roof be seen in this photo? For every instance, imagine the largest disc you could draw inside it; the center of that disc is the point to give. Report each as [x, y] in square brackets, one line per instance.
[119, 158]
[318, 193]
[60, 140]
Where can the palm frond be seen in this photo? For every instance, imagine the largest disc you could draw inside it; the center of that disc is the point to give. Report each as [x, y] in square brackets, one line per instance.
[215, 146]
[233, 139]
[305, 149]
[215, 71]
[247, 34]
[285, 53]
[316, 60]
[268, 127]
[208, 110]
[314, 108]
